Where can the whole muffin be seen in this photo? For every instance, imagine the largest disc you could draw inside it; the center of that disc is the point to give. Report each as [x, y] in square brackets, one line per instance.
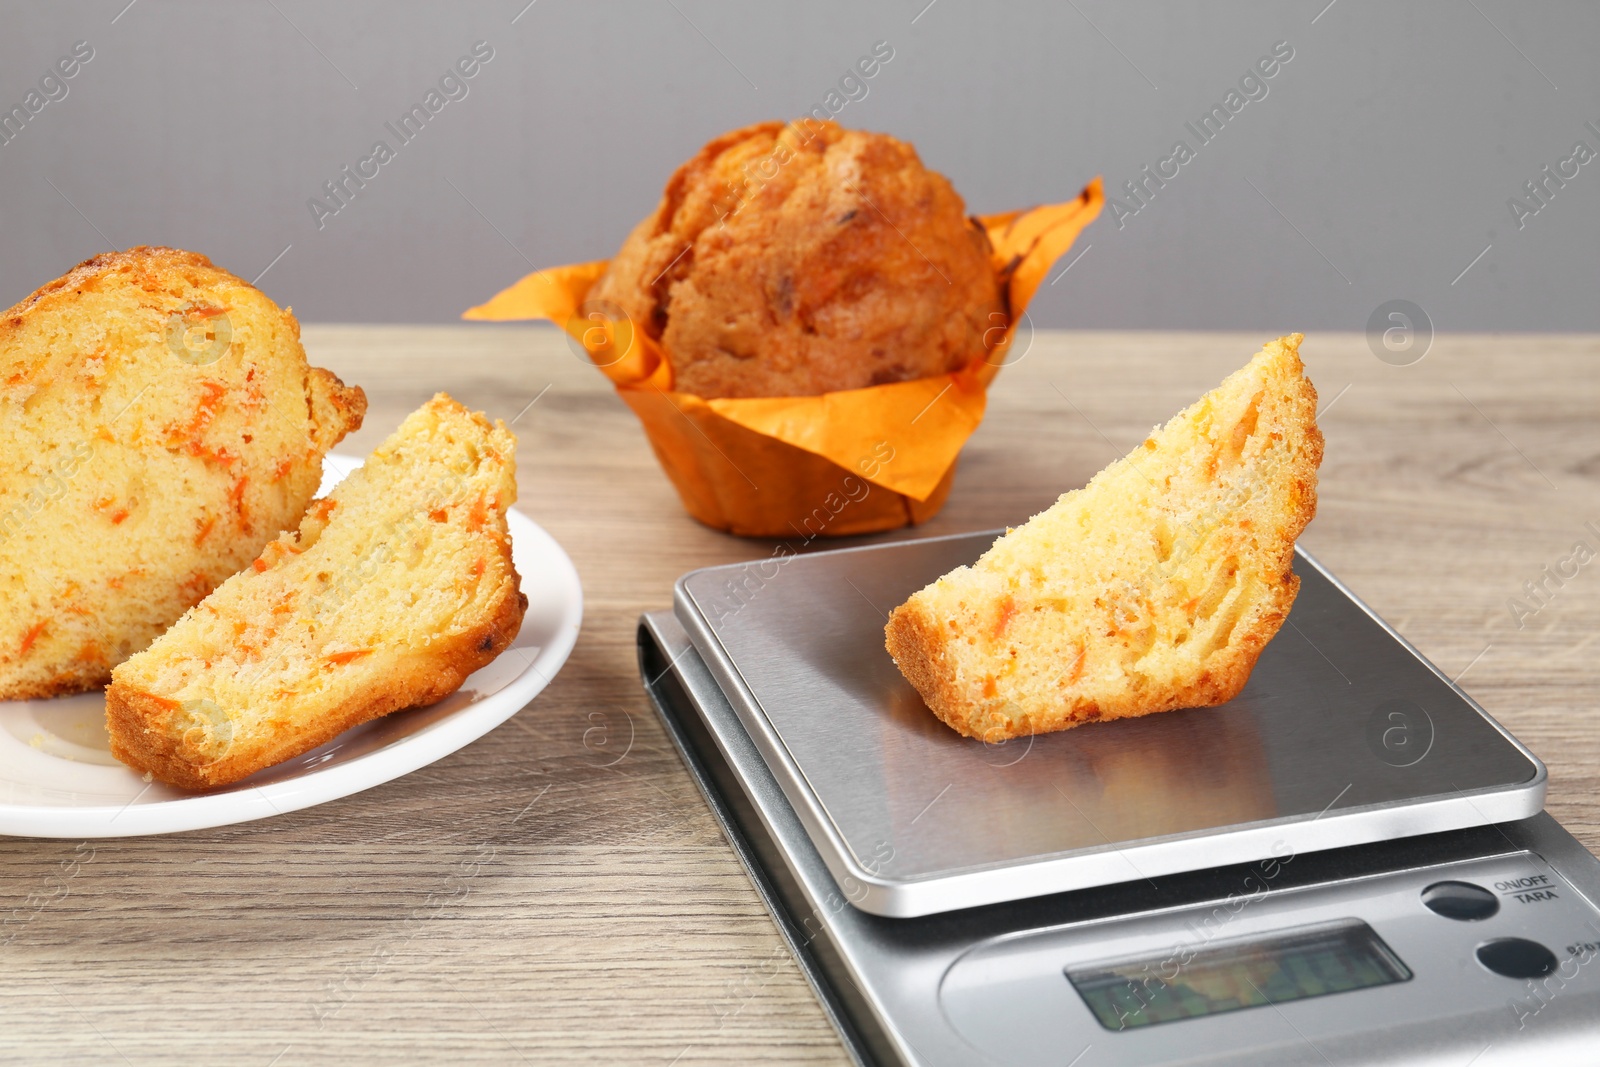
[791, 259]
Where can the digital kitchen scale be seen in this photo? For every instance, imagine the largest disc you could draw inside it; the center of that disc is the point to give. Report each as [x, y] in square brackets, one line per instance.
[1346, 864]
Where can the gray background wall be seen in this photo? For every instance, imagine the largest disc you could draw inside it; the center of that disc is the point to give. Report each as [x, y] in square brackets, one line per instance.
[1378, 166]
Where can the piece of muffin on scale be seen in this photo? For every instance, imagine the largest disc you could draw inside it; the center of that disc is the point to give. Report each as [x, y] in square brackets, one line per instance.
[396, 586]
[159, 424]
[1154, 587]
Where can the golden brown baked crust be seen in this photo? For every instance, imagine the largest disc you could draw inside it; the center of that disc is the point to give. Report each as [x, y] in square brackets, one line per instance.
[142, 738]
[1104, 606]
[797, 259]
[337, 409]
[147, 260]
[101, 413]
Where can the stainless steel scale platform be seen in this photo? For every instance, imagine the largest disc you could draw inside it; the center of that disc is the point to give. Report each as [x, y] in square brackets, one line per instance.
[1347, 864]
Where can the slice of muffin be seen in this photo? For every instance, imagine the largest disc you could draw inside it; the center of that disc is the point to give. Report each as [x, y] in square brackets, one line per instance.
[158, 425]
[1154, 587]
[397, 586]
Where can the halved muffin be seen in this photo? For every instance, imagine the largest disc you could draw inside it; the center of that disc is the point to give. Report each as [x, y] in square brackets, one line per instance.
[159, 424]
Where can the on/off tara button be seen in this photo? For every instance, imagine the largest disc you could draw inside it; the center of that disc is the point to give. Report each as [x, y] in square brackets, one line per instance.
[1460, 900]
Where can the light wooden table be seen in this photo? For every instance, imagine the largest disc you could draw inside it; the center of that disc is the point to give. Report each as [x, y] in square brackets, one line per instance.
[536, 898]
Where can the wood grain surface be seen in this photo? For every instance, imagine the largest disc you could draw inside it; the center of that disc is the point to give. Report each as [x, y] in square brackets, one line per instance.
[558, 892]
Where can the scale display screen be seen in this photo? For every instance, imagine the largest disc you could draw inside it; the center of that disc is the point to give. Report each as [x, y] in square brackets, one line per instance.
[1187, 982]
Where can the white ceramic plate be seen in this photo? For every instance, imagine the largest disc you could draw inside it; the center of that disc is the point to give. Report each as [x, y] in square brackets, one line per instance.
[59, 779]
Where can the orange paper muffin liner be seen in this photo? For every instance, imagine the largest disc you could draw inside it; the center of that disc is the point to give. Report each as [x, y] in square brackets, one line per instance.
[850, 462]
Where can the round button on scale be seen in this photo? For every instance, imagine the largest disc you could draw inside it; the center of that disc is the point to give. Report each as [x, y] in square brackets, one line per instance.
[1516, 957]
[1460, 900]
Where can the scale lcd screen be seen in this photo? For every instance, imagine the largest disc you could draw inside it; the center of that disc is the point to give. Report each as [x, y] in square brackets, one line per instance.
[1185, 983]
